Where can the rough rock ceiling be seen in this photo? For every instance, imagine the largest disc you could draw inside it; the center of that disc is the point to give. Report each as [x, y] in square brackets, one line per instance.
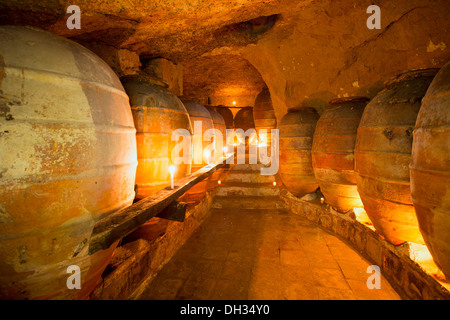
[307, 51]
[223, 79]
[175, 29]
[179, 30]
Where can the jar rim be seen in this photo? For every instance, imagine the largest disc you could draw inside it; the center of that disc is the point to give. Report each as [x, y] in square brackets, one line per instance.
[301, 108]
[348, 99]
[151, 79]
[409, 75]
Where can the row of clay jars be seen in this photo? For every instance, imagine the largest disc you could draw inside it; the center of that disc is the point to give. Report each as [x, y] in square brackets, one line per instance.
[381, 134]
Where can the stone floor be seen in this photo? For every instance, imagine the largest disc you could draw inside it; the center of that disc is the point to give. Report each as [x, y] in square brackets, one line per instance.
[264, 255]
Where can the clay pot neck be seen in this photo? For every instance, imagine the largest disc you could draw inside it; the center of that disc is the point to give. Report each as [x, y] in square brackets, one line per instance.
[355, 99]
[409, 76]
[148, 78]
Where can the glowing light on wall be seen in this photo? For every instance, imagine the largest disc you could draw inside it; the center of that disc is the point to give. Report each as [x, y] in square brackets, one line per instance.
[421, 255]
[361, 216]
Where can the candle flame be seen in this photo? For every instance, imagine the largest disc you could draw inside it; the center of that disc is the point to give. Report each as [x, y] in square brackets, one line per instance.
[172, 169]
[253, 140]
[207, 155]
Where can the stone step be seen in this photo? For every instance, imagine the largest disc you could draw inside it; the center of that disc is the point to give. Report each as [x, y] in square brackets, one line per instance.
[247, 189]
[246, 167]
[247, 177]
[280, 211]
[247, 202]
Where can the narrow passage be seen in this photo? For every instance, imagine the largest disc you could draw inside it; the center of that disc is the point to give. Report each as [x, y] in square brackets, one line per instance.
[264, 254]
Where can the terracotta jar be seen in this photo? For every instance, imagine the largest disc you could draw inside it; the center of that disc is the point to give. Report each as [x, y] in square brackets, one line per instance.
[157, 113]
[227, 115]
[333, 152]
[219, 124]
[430, 169]
[68, 159]
[199, 113]
[264, 116]
[296, 138]
[383, 153]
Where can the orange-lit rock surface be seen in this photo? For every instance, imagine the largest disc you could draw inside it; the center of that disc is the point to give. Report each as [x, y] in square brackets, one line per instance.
[309, 53]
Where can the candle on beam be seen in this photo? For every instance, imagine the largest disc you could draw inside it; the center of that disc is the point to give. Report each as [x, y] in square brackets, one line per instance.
[207, 155]
[172, 172]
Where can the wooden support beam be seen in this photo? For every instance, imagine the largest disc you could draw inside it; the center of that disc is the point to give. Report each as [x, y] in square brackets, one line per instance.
[176, 211]
[121, 223]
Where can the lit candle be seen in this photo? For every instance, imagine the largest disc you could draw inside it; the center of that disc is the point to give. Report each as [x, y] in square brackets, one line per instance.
[253, 139]
[322, 200]
[172, 172]
[225, 150]
[206, 155]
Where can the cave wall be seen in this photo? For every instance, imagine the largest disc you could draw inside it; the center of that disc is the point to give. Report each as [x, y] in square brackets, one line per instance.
[326, 51]
[307, 52]
[222, 79]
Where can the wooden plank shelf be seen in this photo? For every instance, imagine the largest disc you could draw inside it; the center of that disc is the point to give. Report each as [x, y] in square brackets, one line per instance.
[176, 211]
[121, 223]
